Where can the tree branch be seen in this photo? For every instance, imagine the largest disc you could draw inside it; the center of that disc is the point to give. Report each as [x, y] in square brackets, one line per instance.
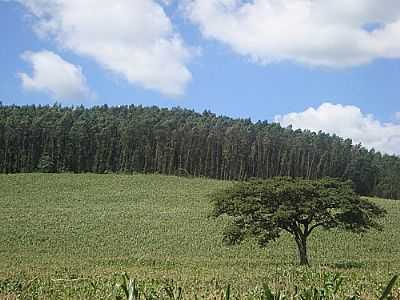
[314, 226]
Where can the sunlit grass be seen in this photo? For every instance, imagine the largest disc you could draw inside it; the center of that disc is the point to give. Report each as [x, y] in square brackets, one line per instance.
[157, 227]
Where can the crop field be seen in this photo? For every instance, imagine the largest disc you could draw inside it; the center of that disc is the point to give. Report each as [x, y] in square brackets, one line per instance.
[67, 235]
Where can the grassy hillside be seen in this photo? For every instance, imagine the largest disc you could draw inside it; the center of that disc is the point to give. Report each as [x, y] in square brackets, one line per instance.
[157, 227]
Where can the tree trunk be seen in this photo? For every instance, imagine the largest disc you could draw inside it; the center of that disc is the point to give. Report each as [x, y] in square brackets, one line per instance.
[302, 249]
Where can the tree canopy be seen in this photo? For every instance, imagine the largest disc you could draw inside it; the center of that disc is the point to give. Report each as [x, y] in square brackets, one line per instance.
[179, 141]
[264, 209]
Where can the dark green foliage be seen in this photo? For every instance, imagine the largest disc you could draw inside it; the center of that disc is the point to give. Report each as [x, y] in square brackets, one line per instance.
[182, 142]
[46, 164]
[266, 208]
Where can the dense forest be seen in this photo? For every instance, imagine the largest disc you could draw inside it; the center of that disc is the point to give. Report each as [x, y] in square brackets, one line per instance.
[182, 142]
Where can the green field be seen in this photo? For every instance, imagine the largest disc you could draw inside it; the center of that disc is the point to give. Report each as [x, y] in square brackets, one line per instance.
[60, 230]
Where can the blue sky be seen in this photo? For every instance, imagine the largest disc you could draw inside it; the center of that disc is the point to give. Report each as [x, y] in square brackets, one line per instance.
[219, 55]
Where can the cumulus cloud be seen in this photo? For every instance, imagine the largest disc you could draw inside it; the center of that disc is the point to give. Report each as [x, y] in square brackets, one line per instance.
[347, 122]
[55, 76]
[334, 33]
[134, 39]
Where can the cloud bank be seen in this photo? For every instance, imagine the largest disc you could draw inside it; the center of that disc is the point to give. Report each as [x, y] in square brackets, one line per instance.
[54, 76]
[334, 33]
[134, 39]
[347, 122]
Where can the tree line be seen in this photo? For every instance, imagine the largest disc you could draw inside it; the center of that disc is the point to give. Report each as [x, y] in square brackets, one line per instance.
[182, 142]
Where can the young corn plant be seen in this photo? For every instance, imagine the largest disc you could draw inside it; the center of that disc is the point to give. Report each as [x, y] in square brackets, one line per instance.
[268, 294]
[330, 290]
[387, 292]
[173, 291]
[128, 287]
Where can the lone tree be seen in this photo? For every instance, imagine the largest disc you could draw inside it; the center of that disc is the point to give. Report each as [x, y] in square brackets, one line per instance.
[264, 209]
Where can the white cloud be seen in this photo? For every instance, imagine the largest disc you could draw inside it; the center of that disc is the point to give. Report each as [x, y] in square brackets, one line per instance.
[347, 122]
[397, 115]
[134, 39]
[55, 76]
[333, 33]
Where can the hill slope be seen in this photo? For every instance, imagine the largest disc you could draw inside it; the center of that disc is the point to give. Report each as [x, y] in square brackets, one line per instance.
[156, 226]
